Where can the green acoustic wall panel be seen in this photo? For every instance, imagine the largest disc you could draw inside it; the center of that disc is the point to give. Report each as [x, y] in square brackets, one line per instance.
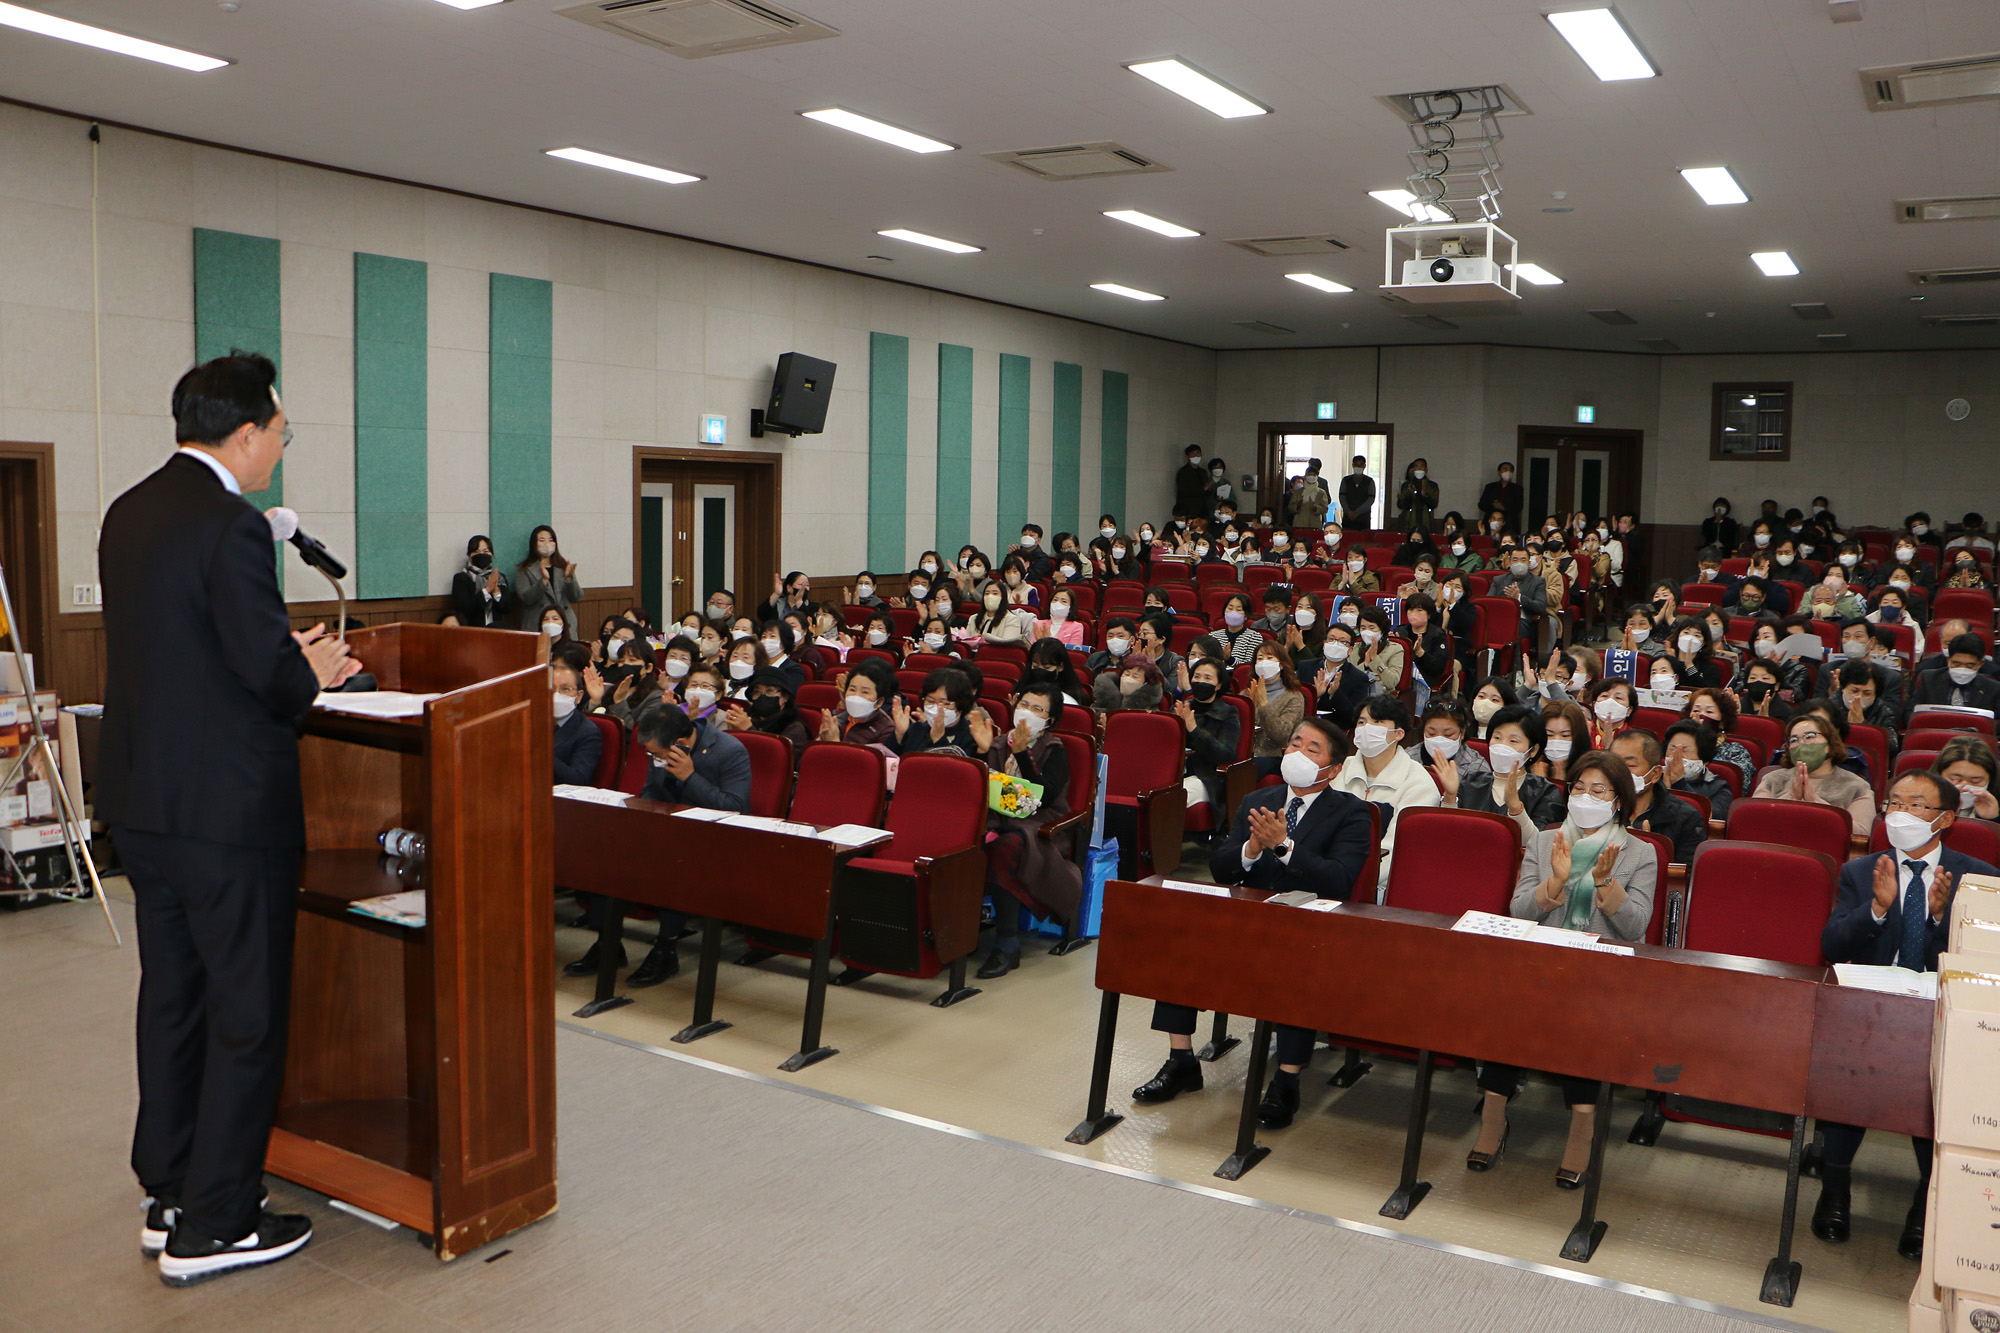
[652, 537]
[888, 449]
[520, 337]
[391, 427]
[237, 306]
[1111, 446]
[1011, 506]
[1066, 450]
[954, 448]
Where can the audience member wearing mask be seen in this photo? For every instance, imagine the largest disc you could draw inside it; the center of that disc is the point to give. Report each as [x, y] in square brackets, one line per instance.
[1456, 554]
[1609, 701]
[1276, 702]
[1277, 617]
[1504, 495]
[1025, 871]
[1306, 629]
[1342, 684]
[771, 708]
[1238, 638]
[863, 593]
[1121, 633]
[1893, 606]
[1060, 626]
[1357, 496]
[1902, 569]
[939, 722]
[1690, 760]
[1134, 683]
[1488, 698]
[1519, 583]
[1416, 498]
[1191, 493]
[546, 581]
[1960, 683]
[1312, 499]
[1589, 874]
[1969, 764]
[1156, 633]
[1812, 772]
[789, 592]
[1858, 696]
[628, 683]
[721, 606]
[1514, 749]
[1378, 653]
[1353, 575]
[1441, 749]
[556, 630]
[740, 663]
[1212, 727]
[1717, 709]
[480, 597]
[1655, 809]
[1920, 532]
[1565, 739]
[1036, 562]
[1721, 535]
[1965, 572]
[578, 746]
[864, 717]
[1431, 660]
[779, 640]
[997, 622]
[1686, 655]
[1379, 771]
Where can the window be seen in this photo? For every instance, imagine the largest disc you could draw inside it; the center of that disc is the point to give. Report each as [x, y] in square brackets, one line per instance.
[1752, 421]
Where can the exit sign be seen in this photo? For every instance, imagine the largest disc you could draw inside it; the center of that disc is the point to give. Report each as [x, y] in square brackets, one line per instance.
[714, 430]
[1585, 415]
[1327, 411]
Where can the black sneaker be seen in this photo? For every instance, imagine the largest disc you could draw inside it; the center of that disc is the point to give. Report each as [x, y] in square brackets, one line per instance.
[189, 1259]
[161, 1213]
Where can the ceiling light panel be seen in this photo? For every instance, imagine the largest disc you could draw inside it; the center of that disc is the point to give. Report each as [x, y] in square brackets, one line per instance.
[1150, 223]
[652, 173]
[1775, 264]
[1177, 76]
[1536, 274]
[68, 30]
[1715, 185]
[1130, 293]
[1317, 283]
[1601, 40]
[470, 4]
[856, 123]
[934, 242]
[1406, 203]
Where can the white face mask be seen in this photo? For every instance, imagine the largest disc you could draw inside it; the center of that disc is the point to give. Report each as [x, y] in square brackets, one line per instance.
[1761, 539]
[717, 611]
[774, 649]
[1441, 747]
[1590, 813]
[1919, 529]
[1458, 548]
[1961, 675]
[1145, 534]
[738, 635]
[1304, 617]
[864, 590]
[929, 567]
[742, 670]
[1369, 636]
[545, 548]
[1371, 739]
[1068, 572]
[946, 711]
[877, 637]
[552, 628]
[1693, 770]
[1298, 769]
[1279, 541]
[933, 641]
[613, 648]
[1707, 575]
[1117, 553]
[1900, 585]
[1786, 558]
[1504, 758]
[919, 591]
[1356, 566]
[1118, 646]
[1058, 610]
[1484, 709]
[1518, 569]
[1035, 725]
[1609, 709]
[858, 708]
[1418, 474]
[1906, 831]
[1350, 618]
[676, 667]
[1335, 651]
[1107, 533]
[1641, 634]
[1267, 668]
[1558, 748]
[1129, 684]
[1764, 647]
[1665, 680]
[1848, 559]
[1028, 542]
[1968, 797]
[1690, 643]
[565, 704]
[1905, 552]
[699, 697]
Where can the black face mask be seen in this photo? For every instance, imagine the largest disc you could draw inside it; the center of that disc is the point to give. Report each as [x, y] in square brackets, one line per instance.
[1757, 689]
[483, 560]
[1202, 691]
[766, 706]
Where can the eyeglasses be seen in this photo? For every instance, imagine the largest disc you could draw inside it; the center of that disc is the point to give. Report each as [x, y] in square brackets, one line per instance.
[285, 440]
[1896, 805]
[1807, 738]
[1602, 791]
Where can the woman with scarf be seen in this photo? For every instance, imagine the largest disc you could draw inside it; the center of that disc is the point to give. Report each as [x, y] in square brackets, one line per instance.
[1024, 870]
[1588, 875]
[772, 708]
[480, 597]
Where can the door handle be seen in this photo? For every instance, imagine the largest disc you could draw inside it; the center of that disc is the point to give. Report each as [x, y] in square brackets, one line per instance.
[678, 582]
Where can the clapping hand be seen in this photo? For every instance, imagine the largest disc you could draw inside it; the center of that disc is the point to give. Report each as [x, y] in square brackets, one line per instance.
[1447, 778]
[1676, 770]
[593, 684]
[899, 713]
[1885, 886]
[1940, 892]
[829, 730]
[1020, 738]
[981, 727]
[1255, 694]
[1185, 712]
[1801, 780]
[1267, 830]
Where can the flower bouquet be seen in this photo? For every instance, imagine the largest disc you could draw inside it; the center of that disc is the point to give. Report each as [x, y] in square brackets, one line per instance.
[1011, 796]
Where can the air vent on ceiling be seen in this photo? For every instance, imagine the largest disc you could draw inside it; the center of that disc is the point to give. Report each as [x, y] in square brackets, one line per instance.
[1932, 82]
[1259, 326]
[1612, 317]
[1430, 322]
[1286, 246]
[693, 29]
[1812, 310]
[1659, 344]
[1945, 277]
[1495, 97]
[1961, 321]
[1968, 207]
[1078, 161]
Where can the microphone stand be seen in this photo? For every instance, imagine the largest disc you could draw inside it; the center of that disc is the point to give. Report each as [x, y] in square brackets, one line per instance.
[75, 832]
[361, 680]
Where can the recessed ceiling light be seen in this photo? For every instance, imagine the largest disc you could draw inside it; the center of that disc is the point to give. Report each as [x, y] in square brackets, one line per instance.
[1715, 185]
[934, 242]
[48, 25]
[1177, 76]
[1406, 203]
[1133, 293]
[1536, 274]
[470, 4]
[1319, 284]
[630, 168]
[855, 123]
[1598, 36]
[1775, 264]
[1149, 222]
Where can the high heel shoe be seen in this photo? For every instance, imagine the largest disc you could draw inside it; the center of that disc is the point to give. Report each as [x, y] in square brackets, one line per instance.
[1486, 1161]
[1567, 1179]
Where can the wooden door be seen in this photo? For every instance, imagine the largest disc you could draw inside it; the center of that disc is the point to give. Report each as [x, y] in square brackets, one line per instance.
[703, 522]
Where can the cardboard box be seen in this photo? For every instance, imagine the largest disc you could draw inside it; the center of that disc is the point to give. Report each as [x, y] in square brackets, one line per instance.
[1925, 1318]
[31, 837]
[1967, 1220]
[1977, 899]
[1965, 1051]
[1927, 1290]
[31, 793]
[1973, 935]
[1970, 1312]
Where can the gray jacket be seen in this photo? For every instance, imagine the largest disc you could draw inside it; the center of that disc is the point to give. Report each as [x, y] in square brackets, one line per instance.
[534, 594]
[1637, 868]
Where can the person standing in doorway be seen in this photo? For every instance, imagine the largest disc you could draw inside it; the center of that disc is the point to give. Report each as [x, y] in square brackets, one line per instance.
[1309, 511]
[1416, 498]
[207, 680]
[1357, 496]
[546, 580]
[1191, 486]
[1506, 496]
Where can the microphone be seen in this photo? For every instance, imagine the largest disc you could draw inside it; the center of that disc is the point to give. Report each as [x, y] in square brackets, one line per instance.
[285, 528]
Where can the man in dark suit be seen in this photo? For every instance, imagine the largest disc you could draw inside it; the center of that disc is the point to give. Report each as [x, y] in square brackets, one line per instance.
[198, 779]
[578, 744]
[1506, 496]
[1960, 682]
[1191, 486]
[1892, 909]
[1943, 633]
[1299, 837]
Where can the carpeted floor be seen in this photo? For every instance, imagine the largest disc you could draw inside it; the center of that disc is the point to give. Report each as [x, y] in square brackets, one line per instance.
[696, 1198]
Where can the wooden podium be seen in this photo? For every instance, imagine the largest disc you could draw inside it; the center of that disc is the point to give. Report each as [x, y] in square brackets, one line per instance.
[420, 1079]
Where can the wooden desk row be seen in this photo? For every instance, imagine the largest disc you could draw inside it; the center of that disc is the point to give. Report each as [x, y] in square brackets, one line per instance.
[1741, 1031]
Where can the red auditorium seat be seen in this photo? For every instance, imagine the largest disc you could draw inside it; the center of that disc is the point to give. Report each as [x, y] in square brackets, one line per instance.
[1147, 753]
[770, 772]
[1806, 825]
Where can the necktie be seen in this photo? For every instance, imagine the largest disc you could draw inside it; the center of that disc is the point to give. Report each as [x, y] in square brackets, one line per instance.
[1292, 809]
[1916, 909]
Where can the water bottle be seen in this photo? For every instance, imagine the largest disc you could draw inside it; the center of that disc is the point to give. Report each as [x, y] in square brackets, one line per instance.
[407, 843]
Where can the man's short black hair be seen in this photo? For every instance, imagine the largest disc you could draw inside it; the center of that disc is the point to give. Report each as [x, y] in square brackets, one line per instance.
[1859, 673]
[1276, 596]
[1388, 710]
[1940, 785]
[217, 398]
[1035, 528]
[574, 656]
[1126, 623]
[1969, 644]
[1192, 449]
[661, 724]
[1705, 741]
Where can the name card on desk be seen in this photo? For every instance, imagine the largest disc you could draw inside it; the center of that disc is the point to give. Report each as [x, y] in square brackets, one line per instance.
[1888, 980]
[700, 815]
[1491, 923]
[1189, 886]
[770, 824]
[595, 795]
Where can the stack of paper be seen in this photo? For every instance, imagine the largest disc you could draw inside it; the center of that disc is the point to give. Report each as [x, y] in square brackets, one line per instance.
[700, 815]
[851, 835]
[1888, 980]
[595, 795]
[771, 825]
[1489, 923]
[402, 909]
[1190, 886]
[375, 703]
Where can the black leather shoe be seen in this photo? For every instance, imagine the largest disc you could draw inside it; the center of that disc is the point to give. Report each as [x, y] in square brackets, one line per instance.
[1279, 1107]
[664, 961]
[998, 964]
[1830, 1214]
[586, 966]
[1175, 1077]
[1911, 1244]
[189, 1258]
